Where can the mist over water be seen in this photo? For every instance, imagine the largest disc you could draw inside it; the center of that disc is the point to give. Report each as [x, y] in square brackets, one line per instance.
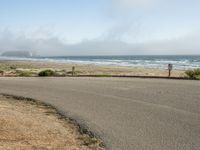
[143, 61]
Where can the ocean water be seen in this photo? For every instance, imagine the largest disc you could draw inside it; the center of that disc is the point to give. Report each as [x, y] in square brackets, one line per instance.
[179, 62]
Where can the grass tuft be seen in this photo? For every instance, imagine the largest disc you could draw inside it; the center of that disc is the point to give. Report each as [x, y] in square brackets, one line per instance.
[193, 74]
[25, 74]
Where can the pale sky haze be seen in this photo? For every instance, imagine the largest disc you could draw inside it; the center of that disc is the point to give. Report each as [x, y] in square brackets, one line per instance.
[101, 27]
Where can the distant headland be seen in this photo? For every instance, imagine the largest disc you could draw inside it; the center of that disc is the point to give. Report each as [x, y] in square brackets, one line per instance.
[27, 54]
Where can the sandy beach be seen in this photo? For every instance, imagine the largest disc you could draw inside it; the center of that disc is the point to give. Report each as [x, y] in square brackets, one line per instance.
[14, 68]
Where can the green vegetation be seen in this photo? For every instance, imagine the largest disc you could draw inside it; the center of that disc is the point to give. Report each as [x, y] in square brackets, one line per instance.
[13, 67]
[1, 72]
[88, 140]
[193, 74]
[46, 73]
[25, 74]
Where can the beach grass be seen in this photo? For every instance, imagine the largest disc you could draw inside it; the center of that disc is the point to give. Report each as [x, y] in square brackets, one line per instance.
[25, 74]
[193, 74]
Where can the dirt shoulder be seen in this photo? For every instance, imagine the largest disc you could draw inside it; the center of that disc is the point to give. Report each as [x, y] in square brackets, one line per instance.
[28, 124]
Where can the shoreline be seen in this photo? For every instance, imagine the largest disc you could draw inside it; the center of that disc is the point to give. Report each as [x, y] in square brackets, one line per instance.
[180, 62]
[55, 63]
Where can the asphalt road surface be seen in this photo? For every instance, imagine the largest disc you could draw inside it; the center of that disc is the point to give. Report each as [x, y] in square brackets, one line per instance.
[128, 114]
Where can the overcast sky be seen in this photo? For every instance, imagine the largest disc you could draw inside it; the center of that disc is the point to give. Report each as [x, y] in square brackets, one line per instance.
[100, 27]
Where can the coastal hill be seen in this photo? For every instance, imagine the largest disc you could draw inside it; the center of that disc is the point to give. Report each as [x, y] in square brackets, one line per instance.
[18, 54]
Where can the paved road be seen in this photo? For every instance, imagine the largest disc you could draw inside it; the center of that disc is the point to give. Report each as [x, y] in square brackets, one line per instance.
[129, 114]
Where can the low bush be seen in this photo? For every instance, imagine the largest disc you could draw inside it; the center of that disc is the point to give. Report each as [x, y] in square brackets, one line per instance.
[46, 73]
[193, 74]
[1, 72]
